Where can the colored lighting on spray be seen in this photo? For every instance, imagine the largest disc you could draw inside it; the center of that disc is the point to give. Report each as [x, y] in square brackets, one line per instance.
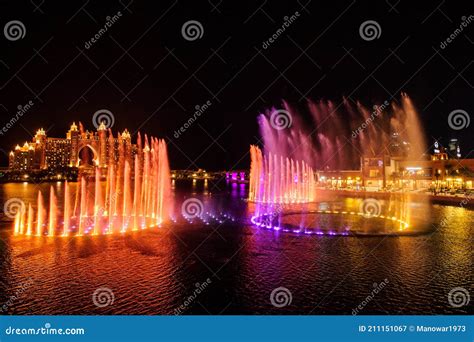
[278, 180]
[135, 197]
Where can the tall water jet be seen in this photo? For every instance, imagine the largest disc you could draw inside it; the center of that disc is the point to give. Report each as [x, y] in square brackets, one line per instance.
[136, 194]
[67, 208]
[126, 196]
[17, 223]
[29, 229]
[111, 198]
[98, 207]
[52, 211]
[41, 214]
[83, 206]
[414, 130]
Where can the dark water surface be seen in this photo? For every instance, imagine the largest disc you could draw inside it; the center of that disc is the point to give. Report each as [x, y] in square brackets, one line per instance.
[158, 271]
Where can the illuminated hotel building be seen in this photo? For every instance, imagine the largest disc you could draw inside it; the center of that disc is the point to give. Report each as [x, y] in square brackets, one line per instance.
[45, 152]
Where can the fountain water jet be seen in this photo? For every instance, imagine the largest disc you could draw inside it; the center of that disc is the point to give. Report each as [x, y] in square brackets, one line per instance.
[125, 207]
[274, 179]
[331, 142]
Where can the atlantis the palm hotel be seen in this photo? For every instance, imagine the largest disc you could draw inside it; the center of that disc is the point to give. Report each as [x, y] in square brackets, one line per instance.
[49, 153]
[444, 170]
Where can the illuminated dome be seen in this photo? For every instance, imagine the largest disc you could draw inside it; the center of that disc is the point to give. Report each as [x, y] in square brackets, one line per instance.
[40, 132]
[73, 127]
[102, 126]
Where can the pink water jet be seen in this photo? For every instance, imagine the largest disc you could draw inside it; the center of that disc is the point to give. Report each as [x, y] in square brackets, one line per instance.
[328, 136]
[334, 136]
[274, 179]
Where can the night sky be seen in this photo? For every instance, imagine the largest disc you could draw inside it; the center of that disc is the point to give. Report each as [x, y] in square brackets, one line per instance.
[151, 78]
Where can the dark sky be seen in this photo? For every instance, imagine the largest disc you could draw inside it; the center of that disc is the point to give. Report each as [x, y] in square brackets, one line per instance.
[151, 78]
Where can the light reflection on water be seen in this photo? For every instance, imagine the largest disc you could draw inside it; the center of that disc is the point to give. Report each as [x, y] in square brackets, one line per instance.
[153, 272]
